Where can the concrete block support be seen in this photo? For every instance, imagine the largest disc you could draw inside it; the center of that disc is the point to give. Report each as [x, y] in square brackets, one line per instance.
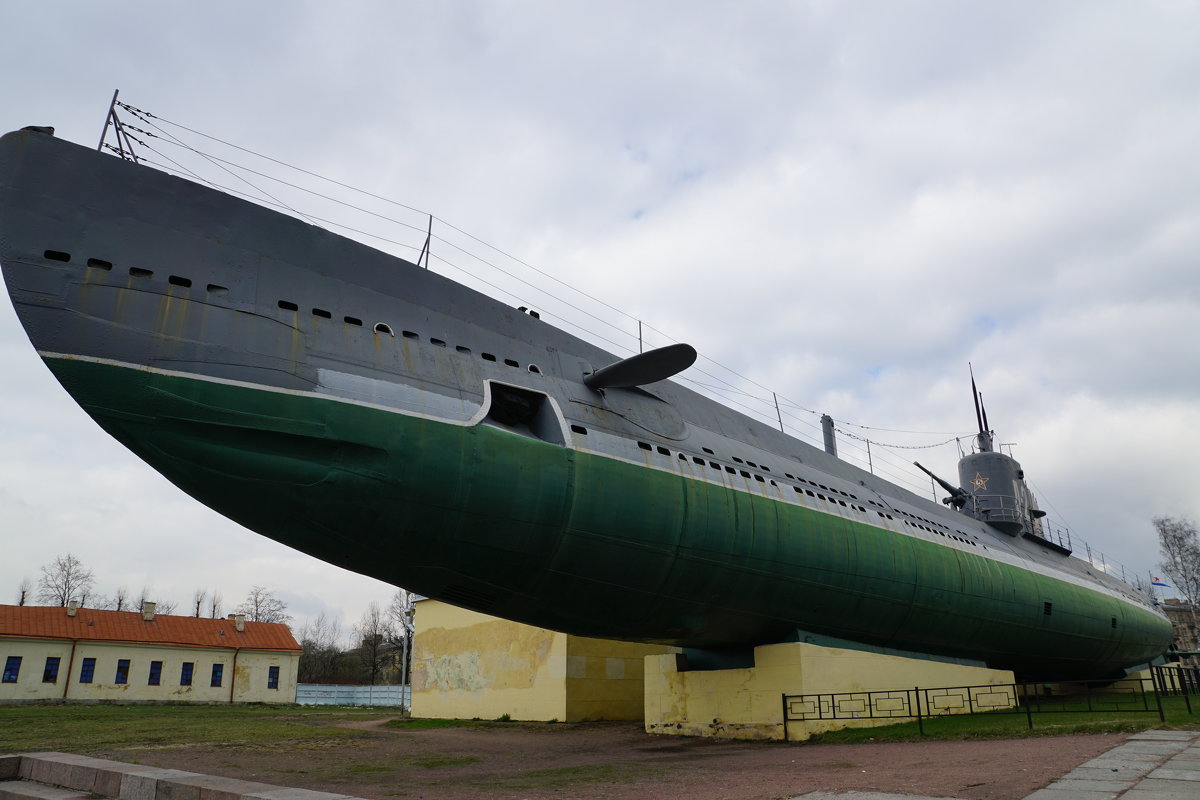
[748, 703]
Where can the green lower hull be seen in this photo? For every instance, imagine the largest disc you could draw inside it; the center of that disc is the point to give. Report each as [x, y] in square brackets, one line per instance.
[573, 541]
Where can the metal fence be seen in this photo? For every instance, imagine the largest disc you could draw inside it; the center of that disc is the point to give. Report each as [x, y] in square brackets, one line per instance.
[326, 694]
[1130, 695]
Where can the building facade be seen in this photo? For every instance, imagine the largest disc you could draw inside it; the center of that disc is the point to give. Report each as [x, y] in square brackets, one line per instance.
[1185, 620]
[84, 654]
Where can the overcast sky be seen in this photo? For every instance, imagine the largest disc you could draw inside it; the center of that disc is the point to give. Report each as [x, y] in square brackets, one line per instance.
[842, 203]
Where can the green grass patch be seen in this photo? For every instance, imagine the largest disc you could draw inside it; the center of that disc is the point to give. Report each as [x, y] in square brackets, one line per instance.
[93, 728]
[418, 724]
[1013, 726]
[564, 777]
[443, 760]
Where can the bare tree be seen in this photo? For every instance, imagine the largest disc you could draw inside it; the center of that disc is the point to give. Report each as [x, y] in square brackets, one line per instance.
[400, 614]
[1180, 548]
[320, 640]
[198, 601]
[120, 600]
[64, 579]
[214, 605]
[377, 647]
[261, 605]
[24, 590]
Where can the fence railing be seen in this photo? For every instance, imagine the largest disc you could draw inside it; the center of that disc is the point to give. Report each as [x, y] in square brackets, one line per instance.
[327, 694]
[1130, 695]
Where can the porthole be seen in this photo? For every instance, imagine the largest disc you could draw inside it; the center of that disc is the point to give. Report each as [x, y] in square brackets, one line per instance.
[731, 470]
[352, 321]
[487, 356]
[287, 305]
[534, 369]
[511, 363]
[217, 289]
[664, 451]
[58, 255]
[760, 479]
[94, 263]
[744, 474]
[464, 350]
[322, 313]
[645, 446]
[582, 431]
[409, 335]
[176, 280]
[710, 452]
[738, 460]
[698, 460]
[383, 327]
[437, 342]
[139, 272]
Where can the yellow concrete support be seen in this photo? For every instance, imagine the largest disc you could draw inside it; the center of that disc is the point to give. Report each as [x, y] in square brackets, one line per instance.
[748, 703]
[469, 665]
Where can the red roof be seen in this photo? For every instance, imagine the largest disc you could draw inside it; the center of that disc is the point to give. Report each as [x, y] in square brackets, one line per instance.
[89, 624]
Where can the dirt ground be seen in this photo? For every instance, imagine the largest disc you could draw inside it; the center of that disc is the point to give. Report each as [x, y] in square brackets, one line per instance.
[619, 760]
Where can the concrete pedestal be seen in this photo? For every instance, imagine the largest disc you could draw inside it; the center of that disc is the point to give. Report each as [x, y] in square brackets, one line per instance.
[748, 703]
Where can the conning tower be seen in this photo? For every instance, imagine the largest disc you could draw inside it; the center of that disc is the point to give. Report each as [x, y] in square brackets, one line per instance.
[995, 483]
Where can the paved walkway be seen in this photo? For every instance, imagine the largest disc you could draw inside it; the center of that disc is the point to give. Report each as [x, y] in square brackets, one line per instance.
[1154, 765]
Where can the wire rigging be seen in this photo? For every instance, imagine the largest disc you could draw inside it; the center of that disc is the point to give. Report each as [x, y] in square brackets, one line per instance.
[724, 389]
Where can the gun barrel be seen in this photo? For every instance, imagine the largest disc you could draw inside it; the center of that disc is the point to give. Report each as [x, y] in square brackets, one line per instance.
[952, 489]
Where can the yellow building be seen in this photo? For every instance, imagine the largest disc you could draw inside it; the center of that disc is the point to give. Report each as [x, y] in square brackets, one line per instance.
[72, 653]
[468, 665]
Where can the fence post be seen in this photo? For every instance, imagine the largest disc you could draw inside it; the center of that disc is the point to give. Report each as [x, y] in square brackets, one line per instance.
[1028, 706]
[917, 699]
[1158, 699]
[785, 717]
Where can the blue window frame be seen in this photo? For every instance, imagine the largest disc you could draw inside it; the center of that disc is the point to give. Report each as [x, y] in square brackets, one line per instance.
[272, 677]
[12, 668]
[50, 673]
[155, 673]
[218, 671]
[185, 673]
[86, 670]
[122, 671]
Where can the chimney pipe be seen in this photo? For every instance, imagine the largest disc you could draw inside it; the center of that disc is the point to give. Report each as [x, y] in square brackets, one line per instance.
[239, 622]
[72, 608]
[148, 610]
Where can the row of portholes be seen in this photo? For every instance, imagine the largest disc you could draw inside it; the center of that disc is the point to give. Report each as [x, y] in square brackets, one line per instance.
[732, 471]
[940, 533]
[386, 329]
[926, 521]
[216, 289]
[135, 272]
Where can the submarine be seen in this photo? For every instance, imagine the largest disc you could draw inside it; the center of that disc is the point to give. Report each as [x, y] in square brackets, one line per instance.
[384, 418]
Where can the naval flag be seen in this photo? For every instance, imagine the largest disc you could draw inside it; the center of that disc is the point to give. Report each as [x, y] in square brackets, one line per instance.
[1158, 581]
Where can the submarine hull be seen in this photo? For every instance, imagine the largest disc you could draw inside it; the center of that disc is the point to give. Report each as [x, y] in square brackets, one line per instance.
[385, 419]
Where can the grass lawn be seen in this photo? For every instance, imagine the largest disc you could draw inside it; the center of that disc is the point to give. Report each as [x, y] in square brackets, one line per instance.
[85, 728]
[1011, 726]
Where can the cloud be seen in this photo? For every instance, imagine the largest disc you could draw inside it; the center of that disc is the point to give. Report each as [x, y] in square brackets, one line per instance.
[845, 203]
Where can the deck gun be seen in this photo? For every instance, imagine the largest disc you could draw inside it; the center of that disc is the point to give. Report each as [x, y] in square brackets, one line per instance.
[958, 496]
